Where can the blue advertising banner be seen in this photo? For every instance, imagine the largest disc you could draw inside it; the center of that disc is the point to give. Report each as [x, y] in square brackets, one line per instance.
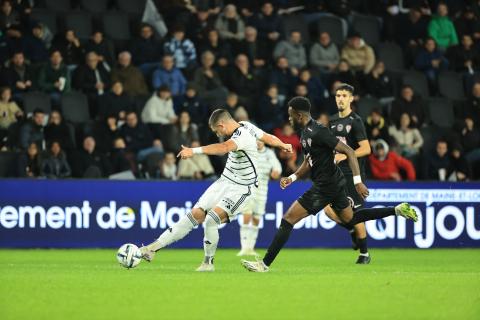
[102, 213]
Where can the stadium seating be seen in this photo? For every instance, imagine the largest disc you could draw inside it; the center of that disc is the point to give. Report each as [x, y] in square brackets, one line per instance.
[133, 8]
[441, 112]
[7, 162]
[95, 6]
[47, 18]
[58, 5]
[35, 99]
[365, 106]
[75, 107]
[391, 54]
[368, 27]
[334, 26]
[450, 85]
[80, 22]
[116, 26]
[418, 81]
[297, 23]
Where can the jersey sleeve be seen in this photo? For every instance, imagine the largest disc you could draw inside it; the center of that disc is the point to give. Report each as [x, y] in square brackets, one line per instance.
[240, 138]
[256, 131]
[325, 137]
[358, 130]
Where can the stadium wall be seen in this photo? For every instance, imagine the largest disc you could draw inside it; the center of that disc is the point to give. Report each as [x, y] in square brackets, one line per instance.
[102, 213]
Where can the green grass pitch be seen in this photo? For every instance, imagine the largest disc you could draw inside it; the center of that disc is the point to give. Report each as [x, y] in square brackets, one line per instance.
[302, 284]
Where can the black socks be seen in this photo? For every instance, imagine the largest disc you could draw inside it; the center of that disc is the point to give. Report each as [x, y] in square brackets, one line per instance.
[278, 242]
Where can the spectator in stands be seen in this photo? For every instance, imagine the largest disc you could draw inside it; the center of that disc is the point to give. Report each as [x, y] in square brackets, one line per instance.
[379, 84]
[168, 167]
[324, 54]
[55, 164]
[441, 28]
[28, 165]
[438, 165]
[138, 137]
[431, 61]
[232, 104]
[146, 50]
[318, 92]
[119, 158]
[376, 127]
[388, 165]
[208, 82]
[129, 75]
[269, 25]
[70, 47]
[413, 28]
[170, 76]
[105, 131]
[36, 45]
[159, 108]
[468, 23]
[54, 77]
[182, 50]
[103, 48]
[358, 54]
[57, 130]
[344, 74]
[460, 168]
[284, 78]
[465, 57]
[407, 139]
[9, 112]
[9, 17]
[293, 50]
[255, 49]
[196, 167]
[198, 26]
[115, 102]
[89, 163]
[92, 79]
[470, 134]
[271, 113]
[471, 108]
[220, 49]
[230, 25]
[410, 103]
[191, 103]
[19, 76]
[186, 132]
[244, 82]
[32, 131]
[287, 135]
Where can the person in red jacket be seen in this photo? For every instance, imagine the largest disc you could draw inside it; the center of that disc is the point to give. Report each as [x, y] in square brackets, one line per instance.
[387, 165]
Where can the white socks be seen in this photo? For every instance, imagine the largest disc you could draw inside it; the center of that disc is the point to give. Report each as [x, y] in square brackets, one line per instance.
[248, 236]
[175, 233]
[210, 239]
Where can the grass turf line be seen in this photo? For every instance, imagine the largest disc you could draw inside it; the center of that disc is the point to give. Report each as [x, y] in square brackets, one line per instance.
[302, 284]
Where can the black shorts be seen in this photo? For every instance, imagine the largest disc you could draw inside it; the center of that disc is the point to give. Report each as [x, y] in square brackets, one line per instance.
[319, 196]
[356, 201]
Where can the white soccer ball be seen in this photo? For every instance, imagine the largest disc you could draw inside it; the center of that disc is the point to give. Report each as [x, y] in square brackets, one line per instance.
[129, 255]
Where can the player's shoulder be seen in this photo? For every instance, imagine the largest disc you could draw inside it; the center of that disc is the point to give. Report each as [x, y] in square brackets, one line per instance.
[333, 118]
[355, 117]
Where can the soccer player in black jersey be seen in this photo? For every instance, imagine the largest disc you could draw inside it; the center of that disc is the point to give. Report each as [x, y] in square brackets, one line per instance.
[328, 186]
[348, 127]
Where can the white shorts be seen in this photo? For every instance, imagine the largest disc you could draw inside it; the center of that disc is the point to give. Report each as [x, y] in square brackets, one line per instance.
[229, 196]
[257, 203]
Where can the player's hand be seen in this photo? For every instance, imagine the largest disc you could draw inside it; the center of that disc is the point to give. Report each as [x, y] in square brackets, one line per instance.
[185, 153]
[287, 148]
[362, 190]
[340, 157]
[285, 182]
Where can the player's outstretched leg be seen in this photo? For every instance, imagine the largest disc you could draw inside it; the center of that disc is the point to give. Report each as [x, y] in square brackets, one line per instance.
[174, 233]
[294, 214]
[244, 235]
[210, 240]
[403, 210]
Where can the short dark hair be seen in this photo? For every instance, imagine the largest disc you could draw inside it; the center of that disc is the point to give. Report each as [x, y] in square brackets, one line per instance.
[300, 104]
[217, 115]
[38, 110]
[346, 87]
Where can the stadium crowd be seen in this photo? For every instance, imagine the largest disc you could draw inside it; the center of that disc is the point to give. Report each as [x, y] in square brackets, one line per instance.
[89, 90]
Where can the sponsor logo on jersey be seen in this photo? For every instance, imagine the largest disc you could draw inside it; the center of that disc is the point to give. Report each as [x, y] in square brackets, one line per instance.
[348, 128]
[340, 127]
[304, 143]
[309, 142]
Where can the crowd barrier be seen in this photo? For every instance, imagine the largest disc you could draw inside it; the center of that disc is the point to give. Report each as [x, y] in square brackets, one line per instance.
[103, 213]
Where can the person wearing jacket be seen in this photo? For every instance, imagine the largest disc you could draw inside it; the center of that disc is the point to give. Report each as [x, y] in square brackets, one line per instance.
[441, 28]
[358, 54]
[293, 50]
[386, 165]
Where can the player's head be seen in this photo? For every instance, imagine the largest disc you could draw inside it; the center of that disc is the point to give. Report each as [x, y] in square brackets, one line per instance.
[344, 96]
[220, 122]
[299, 112]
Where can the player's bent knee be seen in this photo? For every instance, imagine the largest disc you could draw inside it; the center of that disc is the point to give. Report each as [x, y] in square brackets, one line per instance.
[198, 214]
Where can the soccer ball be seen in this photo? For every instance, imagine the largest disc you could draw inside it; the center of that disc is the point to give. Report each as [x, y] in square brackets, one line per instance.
[129, 256]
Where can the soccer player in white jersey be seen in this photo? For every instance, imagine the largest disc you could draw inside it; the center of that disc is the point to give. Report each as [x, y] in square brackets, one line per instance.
[227, 196]
[268, 166]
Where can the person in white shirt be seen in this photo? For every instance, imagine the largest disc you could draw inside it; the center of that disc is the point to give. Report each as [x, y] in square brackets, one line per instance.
[227, 196]
[268, 167]
[159, 108]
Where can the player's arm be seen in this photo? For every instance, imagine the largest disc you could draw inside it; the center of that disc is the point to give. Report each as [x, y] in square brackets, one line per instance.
[275, 142]
[211, 149]
[362, 151]
[301, 172]
[353, 163]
